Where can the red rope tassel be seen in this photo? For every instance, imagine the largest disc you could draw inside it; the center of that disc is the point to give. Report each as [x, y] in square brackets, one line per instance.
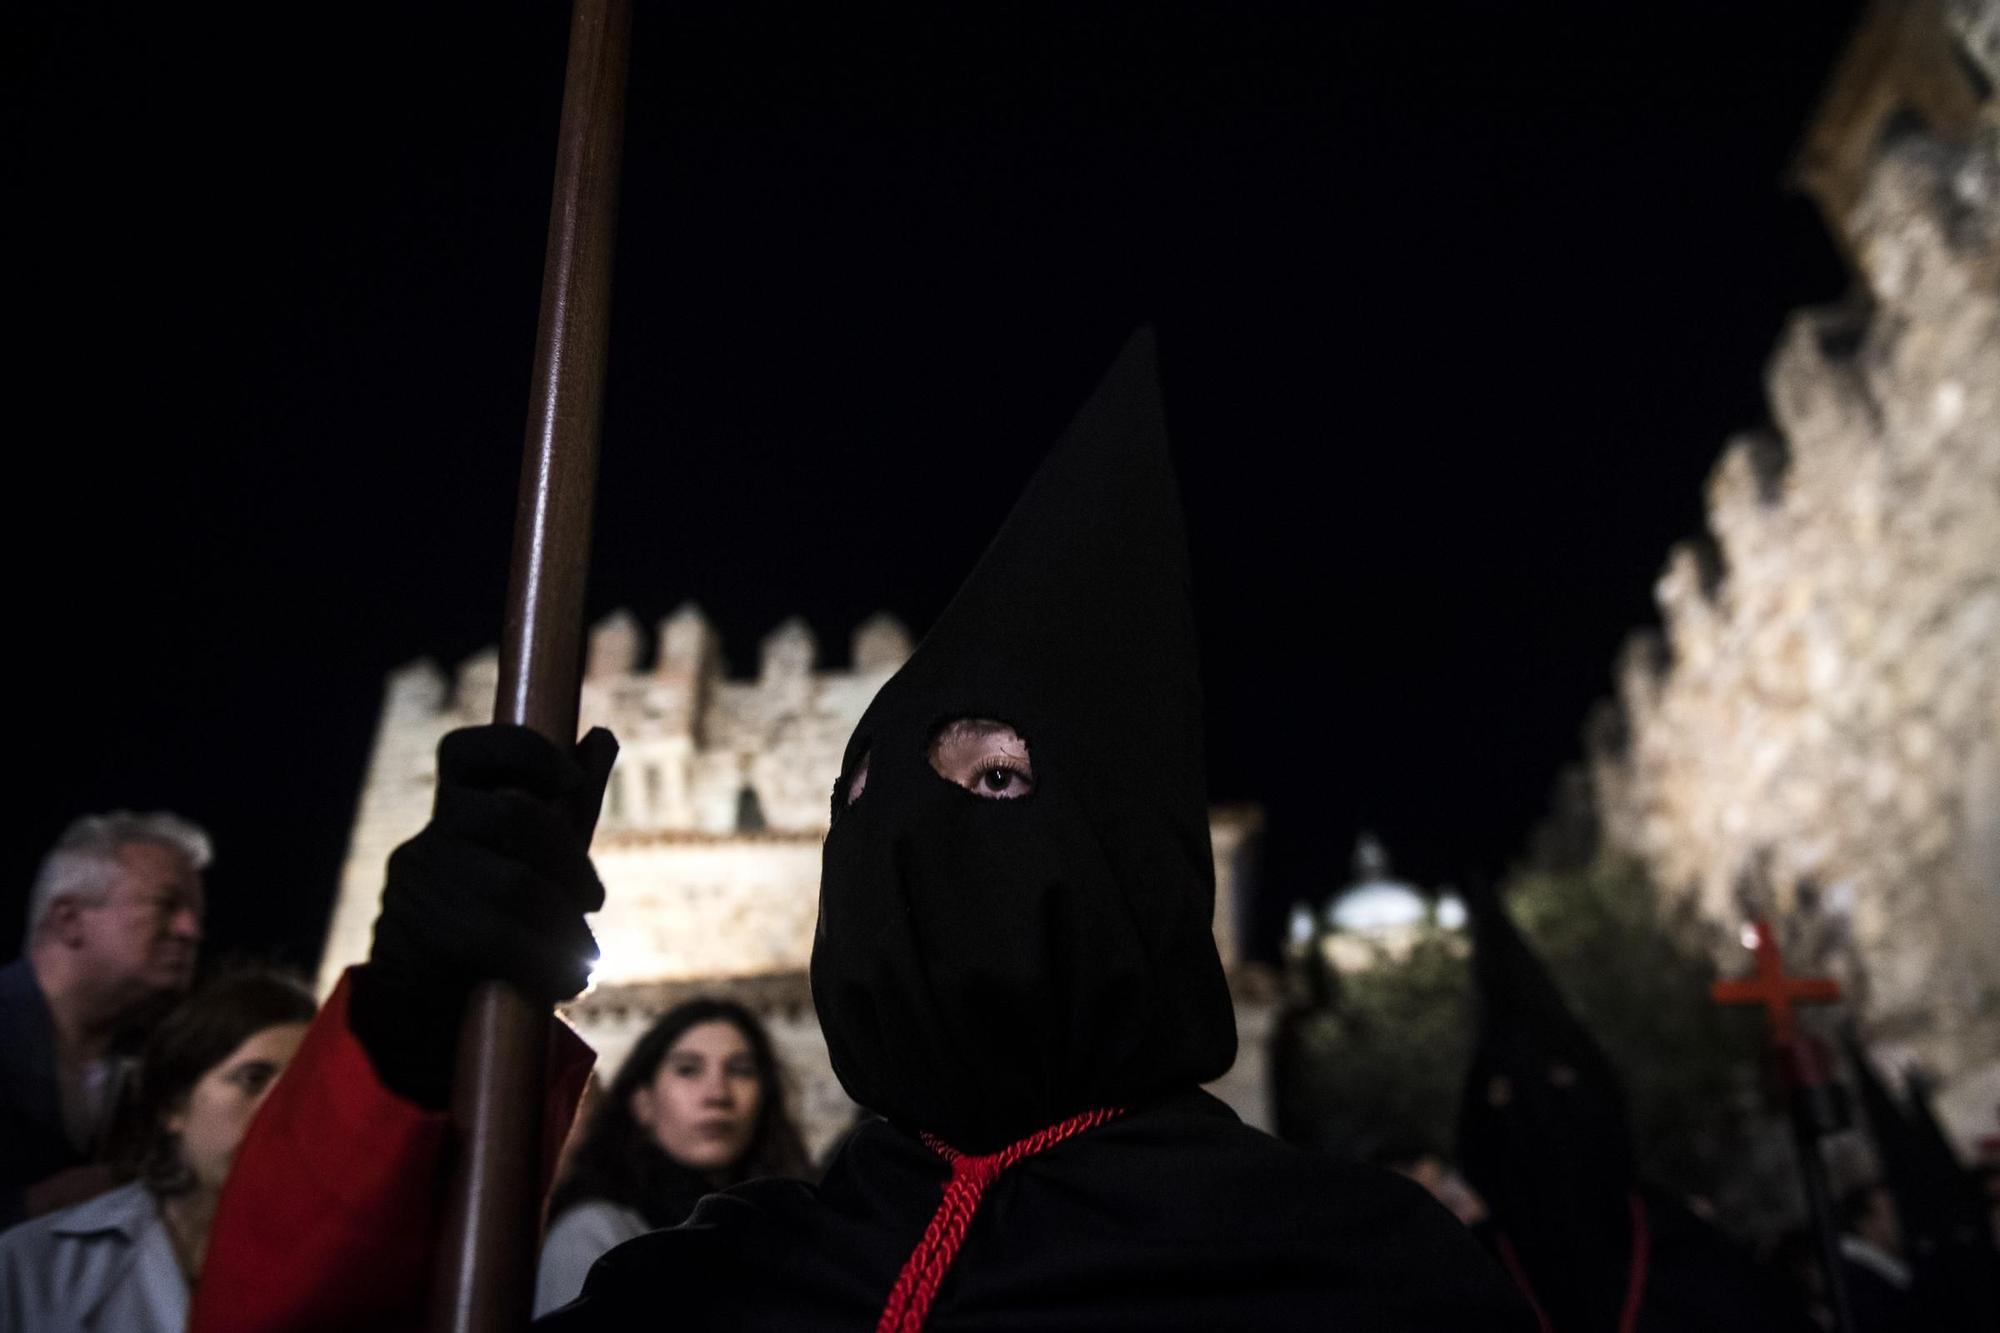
[1635, 1280]
[1521, 1283]
[917, 1285]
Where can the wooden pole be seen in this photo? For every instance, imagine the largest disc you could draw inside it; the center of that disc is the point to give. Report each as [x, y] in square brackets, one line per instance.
[486, 1265]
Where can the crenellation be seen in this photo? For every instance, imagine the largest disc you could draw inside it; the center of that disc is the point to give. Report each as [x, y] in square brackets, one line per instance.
[1820, 399]
[416, 690]
[689, 648]
[476, 685]
[788, 653]
[615, 645]
[1745, 506]
[1691, 584]
[1641, 670]
[880, 644]
[697, 750]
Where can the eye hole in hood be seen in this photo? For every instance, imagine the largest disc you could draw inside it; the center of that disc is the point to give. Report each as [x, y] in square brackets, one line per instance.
[985, 756]
[847, 790]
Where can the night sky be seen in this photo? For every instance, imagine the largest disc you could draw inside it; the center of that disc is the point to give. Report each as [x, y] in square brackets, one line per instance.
[1457, 306]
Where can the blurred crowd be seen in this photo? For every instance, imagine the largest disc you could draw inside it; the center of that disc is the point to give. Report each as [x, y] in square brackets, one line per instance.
[126, 1088]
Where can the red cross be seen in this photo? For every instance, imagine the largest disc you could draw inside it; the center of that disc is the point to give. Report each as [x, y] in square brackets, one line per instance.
[1772, 988]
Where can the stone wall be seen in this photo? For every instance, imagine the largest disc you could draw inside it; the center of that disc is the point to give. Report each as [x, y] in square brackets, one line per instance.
[721, 785]
[1822, 709]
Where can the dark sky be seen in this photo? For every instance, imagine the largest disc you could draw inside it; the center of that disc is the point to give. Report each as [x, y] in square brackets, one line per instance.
[1457, 305]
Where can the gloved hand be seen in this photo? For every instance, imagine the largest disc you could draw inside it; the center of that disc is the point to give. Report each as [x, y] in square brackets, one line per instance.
[495, 887]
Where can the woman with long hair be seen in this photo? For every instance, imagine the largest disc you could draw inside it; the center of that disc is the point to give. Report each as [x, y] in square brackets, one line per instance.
[697, 1106]
[128, 1260]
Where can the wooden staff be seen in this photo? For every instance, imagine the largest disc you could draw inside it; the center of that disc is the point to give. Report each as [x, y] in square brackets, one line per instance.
[486, 1256]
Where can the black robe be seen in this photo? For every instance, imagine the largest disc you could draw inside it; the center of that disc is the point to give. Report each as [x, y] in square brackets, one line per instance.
[1175, 1217]
[1943, 1212]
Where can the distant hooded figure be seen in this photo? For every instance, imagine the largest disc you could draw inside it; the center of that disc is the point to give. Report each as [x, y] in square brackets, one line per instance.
[1545, 1137]
[1015, 969]
[1953, 1265]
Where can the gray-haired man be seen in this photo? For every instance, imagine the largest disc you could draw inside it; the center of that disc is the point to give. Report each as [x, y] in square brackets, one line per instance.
[114, 926]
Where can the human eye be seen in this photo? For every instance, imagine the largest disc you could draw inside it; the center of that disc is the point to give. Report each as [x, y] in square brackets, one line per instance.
[254, 1077]
[986, 757]
[1003, 777]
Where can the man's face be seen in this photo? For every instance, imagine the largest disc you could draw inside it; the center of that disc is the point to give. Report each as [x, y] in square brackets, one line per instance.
[144, 937]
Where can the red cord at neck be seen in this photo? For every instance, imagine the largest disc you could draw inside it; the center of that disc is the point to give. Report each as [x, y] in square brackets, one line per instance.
[1635, 1273]
[917, 1285]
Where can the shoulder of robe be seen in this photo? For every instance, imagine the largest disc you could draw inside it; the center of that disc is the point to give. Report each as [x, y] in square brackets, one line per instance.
[695, 1271]
[636, 1282]
[598, 1221]
[1699, 1278]
[1387, 1230]
[1343, 1227]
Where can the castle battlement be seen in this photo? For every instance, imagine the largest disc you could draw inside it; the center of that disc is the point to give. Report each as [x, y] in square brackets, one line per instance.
[700, 752]
[704, 757]
[1822, 703]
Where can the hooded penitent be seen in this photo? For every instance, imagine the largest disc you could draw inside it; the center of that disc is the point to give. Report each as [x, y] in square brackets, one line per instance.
[1543, 1133]
[985, 968]
[1033, 981]
[1545, 1138]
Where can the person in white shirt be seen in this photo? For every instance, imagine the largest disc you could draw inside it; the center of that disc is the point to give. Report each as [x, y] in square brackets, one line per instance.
[129, 1259]
[697, 1106]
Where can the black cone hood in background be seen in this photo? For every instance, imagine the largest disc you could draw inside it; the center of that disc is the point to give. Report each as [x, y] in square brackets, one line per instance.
[1947, 1237]
[1525, 1025]
[983, 968]
[1551, 1153]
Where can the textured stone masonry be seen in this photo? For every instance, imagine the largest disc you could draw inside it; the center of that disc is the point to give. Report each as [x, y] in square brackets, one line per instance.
[1822, 706]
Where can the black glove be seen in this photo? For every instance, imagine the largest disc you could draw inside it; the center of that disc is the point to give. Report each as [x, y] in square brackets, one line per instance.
[495, 887]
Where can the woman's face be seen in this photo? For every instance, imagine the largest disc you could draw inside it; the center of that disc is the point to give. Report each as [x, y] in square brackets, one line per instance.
[220, 1106]
[701, 1107]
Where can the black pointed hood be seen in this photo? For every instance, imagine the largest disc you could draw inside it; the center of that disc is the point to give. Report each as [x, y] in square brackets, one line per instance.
[1943, 1212]
[983, 968]
[1897, 1149]
[1524, 1022]
[1542, 1129]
